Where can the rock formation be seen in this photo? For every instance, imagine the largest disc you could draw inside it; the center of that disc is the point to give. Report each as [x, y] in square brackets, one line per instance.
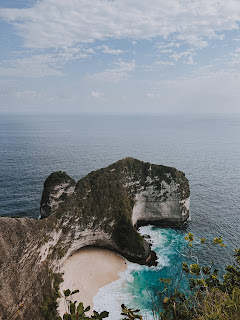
[102, 209]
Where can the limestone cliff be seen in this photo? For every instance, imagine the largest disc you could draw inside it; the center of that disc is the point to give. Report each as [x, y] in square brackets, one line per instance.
[23, 280]
[102, 209]
[56, 187]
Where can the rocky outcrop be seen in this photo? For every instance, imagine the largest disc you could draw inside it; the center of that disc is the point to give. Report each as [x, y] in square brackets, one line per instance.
[102, 209]
[55, 190]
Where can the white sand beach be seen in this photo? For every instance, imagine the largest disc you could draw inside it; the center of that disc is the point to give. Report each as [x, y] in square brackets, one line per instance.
[88, 270]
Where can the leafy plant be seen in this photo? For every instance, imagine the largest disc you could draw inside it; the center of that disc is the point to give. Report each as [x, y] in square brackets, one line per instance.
[78, 311]
[130, 313]
[209, 297]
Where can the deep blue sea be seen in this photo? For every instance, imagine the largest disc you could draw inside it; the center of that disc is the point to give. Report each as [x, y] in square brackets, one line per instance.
[205, 147]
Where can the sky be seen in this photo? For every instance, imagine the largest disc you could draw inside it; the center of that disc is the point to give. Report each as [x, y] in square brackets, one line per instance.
[120, 56]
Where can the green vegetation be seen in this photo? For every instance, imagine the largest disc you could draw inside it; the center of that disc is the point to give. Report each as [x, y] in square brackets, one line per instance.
[49, 306]
[130, 313]
[209, 297]
[78, 311]
[56, 178]
[109, 193]
[103, 200]
[102, 194]
[58, 253]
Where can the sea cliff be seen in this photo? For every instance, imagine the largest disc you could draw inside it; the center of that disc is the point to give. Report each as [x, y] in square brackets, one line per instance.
[103, 209]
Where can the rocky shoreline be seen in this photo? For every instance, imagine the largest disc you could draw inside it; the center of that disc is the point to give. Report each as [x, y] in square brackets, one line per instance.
[103, 210]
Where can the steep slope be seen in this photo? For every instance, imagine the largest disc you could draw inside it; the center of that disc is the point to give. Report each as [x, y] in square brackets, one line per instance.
[23, 279]
[102, 209]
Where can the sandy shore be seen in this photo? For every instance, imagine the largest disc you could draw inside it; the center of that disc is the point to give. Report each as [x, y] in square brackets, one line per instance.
[88, 270]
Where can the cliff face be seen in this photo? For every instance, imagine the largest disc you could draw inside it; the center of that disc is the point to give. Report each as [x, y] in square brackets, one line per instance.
[102, 209]
[55, 190]
[23, 279]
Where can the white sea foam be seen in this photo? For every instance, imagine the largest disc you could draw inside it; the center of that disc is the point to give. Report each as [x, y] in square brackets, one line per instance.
[119, 292]
[114, 294]
[158, 240]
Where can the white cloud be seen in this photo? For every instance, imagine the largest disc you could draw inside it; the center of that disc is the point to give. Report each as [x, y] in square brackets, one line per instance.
[195, 40]
[235, 57]
[161, 46]
[165, 63]
[40, 65]
[153, 96]
[157, 66]
[166, 51]
[61, 23]
[33, 96]
[220, 36]
[189, 60]
[177, 56]
[119, 72]
[97, 95]
[31, 67]
[108, 50]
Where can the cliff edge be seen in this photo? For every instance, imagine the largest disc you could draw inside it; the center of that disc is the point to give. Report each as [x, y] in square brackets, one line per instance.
[103, 209]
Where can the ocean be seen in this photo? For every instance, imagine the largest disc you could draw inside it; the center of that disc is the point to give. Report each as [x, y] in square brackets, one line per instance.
[205, 147]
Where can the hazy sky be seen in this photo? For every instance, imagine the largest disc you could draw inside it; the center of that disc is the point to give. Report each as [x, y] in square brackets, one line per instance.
[136, 56]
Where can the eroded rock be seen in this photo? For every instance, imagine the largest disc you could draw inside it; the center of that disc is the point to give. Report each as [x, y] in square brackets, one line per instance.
[102, 209]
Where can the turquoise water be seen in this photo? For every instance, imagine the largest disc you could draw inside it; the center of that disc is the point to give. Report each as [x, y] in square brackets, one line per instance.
[206, 148]
[146, 288]
[140, 287]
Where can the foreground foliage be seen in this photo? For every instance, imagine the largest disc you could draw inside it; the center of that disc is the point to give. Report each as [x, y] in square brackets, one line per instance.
[49, 306]
[130, 313]
[78, 311]
[210, 297]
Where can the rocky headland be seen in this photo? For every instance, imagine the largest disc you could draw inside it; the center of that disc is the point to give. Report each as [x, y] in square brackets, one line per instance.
[103, 209]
